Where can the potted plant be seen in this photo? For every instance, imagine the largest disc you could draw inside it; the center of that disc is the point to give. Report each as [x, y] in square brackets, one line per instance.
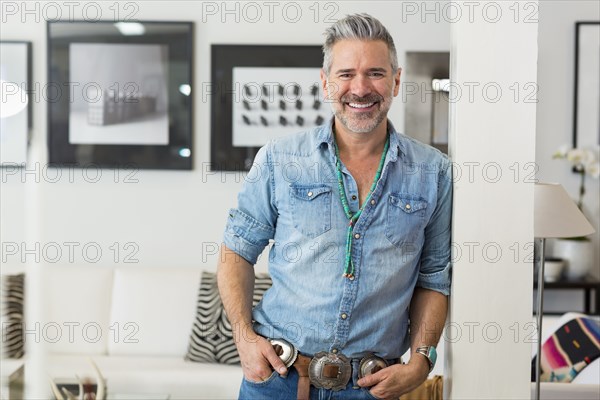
[578, 251]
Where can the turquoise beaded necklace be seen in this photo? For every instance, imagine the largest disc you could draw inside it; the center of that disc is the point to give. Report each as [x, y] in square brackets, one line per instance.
[348, 264]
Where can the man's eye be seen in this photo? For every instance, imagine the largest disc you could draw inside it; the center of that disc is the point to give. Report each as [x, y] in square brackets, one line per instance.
[345, 76]
[376, 74]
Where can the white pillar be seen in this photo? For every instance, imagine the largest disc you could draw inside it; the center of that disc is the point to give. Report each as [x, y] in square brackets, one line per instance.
[492, 143]
[37, 381]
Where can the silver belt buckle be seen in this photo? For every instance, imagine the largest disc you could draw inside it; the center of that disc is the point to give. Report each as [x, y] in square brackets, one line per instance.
[317, 365]
[371, 364]
[285, 350]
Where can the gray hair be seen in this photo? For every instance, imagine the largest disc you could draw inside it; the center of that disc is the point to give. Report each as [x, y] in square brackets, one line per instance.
[361, 27]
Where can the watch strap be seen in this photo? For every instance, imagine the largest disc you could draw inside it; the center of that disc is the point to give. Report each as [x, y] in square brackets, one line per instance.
[429, 353]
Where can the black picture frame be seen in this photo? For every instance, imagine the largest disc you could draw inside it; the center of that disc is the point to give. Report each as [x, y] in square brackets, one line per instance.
[584, 137]
[149, 119]
[224, 57]
[25, 86]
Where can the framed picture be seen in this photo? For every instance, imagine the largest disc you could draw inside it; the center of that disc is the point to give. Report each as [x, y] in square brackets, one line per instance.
[15, 113]
[586, 102]
[120, 93]
[260, 93]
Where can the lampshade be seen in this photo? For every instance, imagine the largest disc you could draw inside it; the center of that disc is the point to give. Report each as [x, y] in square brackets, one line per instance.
[556, 215]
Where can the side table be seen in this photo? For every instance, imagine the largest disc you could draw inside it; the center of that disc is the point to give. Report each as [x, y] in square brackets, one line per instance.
[587, 284]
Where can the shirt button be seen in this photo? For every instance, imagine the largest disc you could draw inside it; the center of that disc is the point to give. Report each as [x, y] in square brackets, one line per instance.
[407, 206]
[373, 202]
[357, 236]
[351, 278]
[353, 197]
[310, 194]
[344, 316]
[334, 351]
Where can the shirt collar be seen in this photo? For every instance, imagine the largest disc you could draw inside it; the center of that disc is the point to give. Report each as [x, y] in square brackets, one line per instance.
[325, 135]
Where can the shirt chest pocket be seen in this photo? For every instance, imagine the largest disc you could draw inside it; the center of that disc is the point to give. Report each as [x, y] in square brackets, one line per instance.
[311, 209]
[405, 220]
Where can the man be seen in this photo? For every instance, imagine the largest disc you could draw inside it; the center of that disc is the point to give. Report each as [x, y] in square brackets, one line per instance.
[361, 241]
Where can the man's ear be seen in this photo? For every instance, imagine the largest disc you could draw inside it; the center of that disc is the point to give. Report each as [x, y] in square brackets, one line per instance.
[324, 83]
[397, 81]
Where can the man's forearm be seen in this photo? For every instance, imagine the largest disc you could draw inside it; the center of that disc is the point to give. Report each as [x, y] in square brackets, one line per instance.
[235, 278]
[428, 311]
[236, 286]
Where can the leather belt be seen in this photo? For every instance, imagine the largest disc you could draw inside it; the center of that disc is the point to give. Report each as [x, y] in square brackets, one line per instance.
[301, 364]
[325, 370]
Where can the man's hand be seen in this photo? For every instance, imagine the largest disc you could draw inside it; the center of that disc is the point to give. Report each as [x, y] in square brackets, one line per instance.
[395, 380]
[258, 357]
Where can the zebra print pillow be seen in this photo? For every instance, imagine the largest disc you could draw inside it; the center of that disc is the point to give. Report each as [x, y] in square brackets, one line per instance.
[212, 337]
[11, 315]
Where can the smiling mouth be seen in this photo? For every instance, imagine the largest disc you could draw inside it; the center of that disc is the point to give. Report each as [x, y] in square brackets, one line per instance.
[360, 106]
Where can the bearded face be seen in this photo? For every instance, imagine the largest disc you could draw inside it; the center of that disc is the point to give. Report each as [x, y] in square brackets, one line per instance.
[361, 84]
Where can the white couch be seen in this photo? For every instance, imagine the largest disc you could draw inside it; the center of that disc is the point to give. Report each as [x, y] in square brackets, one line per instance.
[135, 324]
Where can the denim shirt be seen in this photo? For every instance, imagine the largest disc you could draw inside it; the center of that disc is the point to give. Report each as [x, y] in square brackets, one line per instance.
[291, 199]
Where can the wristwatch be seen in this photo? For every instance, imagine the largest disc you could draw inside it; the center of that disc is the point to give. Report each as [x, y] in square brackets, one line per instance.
[430, 354]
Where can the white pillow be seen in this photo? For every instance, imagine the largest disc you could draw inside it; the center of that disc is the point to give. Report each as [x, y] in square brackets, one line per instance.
[153, 310]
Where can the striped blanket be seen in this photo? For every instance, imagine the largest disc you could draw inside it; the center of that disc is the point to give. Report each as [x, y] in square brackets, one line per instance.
[569, 350]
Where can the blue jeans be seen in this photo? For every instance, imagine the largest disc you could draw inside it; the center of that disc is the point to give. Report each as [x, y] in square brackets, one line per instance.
[279, 388]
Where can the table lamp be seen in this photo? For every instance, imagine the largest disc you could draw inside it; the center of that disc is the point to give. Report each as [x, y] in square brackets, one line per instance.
[555, 216]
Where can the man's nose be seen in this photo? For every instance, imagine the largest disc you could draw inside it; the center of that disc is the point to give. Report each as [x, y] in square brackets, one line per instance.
[361, 86]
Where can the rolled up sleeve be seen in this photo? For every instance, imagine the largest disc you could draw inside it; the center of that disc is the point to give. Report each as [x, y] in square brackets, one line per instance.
[246, 236]
[435, 267]
[251, 225]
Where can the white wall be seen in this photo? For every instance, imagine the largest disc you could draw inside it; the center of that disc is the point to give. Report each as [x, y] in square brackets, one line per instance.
[172, 218]
[555, 106]
[555, 117]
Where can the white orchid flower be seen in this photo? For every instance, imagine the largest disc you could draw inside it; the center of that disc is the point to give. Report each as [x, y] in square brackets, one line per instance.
[562, 151]
[593, 169]
[589, 156]
[584, 162]
[576, 156]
